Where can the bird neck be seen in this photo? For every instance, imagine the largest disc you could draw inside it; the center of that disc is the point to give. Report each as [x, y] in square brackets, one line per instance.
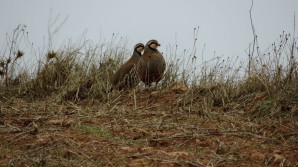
[150, 50]
[137, 54]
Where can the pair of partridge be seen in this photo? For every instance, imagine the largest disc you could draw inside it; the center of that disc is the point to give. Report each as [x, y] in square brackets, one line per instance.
[152, 65]
[148, 67]
[126, 77]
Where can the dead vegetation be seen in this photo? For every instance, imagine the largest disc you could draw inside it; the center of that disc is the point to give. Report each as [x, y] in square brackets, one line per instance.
[221, 112]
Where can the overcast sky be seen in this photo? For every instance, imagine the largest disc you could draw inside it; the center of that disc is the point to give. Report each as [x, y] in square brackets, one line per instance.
[224, 24]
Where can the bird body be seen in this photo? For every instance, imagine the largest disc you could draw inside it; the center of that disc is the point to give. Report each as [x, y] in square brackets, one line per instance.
[126, 76]
[151, 66]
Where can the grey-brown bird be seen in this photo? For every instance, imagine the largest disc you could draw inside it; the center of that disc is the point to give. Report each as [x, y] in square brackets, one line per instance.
[126, 76]
[152, 65]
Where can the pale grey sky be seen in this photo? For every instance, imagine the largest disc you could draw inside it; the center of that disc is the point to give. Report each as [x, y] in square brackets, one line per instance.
[224, 25]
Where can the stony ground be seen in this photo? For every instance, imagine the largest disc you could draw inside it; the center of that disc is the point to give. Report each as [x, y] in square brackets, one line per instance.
[145, 129]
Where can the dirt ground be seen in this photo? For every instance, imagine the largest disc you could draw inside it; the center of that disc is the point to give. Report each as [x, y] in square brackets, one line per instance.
[144, 129]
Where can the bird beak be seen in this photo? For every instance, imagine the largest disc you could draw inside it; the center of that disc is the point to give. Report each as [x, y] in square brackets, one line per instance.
[158, 44]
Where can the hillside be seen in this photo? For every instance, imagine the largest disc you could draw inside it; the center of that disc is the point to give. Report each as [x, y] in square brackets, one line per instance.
[220, 112]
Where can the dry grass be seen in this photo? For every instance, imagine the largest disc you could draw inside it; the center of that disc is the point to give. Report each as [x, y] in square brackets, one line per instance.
[212, 113]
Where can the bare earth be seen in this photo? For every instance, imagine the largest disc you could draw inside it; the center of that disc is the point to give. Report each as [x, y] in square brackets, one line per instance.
[161, 129]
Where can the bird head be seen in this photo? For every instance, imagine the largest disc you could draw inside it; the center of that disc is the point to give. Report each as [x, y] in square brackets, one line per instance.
[139, 47]
[153, 44]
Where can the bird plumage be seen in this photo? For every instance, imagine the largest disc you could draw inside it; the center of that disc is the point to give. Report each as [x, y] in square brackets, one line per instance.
[126, 76]
[151, 66]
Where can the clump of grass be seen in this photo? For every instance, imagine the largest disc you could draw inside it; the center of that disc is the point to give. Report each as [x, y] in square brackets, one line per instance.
[176, 72]
[11, 55]
[78, 71]
[220, 82]
[91, 77]
[54, 73]
[265, 108]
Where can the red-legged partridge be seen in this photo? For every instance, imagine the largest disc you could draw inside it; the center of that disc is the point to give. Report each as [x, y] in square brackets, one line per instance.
[126, 77]
[152, 65]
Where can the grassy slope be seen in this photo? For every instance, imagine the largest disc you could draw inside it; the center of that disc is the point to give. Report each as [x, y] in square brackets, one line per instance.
[213, 114]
